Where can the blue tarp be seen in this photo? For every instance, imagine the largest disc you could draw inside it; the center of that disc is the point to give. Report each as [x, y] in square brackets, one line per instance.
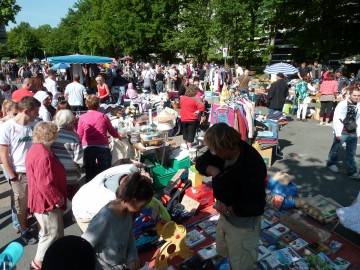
[80, 59]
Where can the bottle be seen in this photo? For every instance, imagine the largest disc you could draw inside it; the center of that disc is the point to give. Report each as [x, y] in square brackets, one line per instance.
[11, 255]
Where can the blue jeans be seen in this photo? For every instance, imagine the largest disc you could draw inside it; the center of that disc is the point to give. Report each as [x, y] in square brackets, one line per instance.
[15, 221]
[351, 143]
[274, 110]
[159, 86]
[121, 94]
[97, 159]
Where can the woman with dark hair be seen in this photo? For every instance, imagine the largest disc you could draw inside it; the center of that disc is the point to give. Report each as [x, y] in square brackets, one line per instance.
[92, 130]
[111, 231]
[328, 90]
[63, 105]
[190, 108]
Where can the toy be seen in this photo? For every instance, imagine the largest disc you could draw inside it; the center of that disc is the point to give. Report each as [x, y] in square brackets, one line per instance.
[175, 245]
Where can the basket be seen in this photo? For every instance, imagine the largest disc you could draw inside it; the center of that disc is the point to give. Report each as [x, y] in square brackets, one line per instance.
[153, 142]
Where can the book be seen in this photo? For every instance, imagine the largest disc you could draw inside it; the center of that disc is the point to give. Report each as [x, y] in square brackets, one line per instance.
[264, 224]
[327, 260]
[271, 216]
[289, 237]
[277, 246]
[316, 263]
[334, 246]
[208, 252]
[262, 252]
[206, 223]
[268, 237]
[210, 230]
[341, 263]
[286, 255]
[298, 244]
[194, 238]
[270, 262]
[319, 247]
[279, 230]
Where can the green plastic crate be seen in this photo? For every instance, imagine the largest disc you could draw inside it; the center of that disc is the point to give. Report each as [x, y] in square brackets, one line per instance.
[179, 164]
[162, 175]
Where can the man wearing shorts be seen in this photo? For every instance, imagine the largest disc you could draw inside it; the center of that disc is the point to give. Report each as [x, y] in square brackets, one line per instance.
[15, 141]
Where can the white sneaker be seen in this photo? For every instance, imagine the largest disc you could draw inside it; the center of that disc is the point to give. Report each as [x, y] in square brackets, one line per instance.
[183, 146]
[355, 176]
[333, 168]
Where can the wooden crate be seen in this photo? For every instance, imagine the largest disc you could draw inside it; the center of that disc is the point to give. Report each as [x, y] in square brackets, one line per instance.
[153, 142]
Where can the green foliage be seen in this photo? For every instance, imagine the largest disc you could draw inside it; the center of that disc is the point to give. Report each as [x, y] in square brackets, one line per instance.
[8, 10]
[196, 29]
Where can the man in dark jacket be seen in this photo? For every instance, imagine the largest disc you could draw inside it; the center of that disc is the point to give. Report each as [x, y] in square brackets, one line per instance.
[238, 182]
[277, 94]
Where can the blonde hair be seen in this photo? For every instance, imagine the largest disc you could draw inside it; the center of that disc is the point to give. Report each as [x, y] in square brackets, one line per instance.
[220, 137]
[100, 78]
[45, 133]
[7, 106]
[92, 102]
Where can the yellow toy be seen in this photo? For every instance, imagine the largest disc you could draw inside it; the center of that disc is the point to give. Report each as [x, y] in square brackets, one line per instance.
[175, 245]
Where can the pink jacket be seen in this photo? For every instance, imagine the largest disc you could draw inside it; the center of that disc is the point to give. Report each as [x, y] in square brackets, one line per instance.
[93, 127]
[329, 88]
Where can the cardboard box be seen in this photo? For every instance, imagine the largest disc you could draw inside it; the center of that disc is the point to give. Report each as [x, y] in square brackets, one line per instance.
[267, 154]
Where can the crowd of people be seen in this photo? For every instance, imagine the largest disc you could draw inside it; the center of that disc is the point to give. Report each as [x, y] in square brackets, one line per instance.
[44, 145]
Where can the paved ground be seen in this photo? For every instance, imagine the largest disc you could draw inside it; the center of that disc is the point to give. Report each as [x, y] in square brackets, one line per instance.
[304, 147]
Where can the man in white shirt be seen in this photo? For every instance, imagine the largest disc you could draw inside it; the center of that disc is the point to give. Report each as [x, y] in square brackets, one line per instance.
[75, 93]
[15, 141]
[50, 84]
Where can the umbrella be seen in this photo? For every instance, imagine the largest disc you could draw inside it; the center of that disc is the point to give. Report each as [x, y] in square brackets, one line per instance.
[60, 66]
[354, 59]
[281, 67]
[80, 59]
[127, 58]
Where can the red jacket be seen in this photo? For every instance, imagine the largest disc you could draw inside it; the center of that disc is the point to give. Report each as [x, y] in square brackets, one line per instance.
[46, 179]
[188, 106]
[20, 93]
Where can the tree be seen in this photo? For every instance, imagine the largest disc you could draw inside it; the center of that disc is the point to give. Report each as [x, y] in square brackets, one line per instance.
[22, 41]
[8, 10]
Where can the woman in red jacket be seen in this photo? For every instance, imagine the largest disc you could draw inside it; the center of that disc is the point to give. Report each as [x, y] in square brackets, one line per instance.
[46, 188]
[328, 90]
[191, 107]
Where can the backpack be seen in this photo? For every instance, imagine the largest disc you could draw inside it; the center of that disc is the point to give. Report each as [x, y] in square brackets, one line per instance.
[301, 90]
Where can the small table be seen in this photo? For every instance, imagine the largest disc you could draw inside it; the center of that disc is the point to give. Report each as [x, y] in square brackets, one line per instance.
[141, 150]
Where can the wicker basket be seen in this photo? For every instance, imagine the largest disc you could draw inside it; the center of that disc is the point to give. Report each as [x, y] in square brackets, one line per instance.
[153, 142]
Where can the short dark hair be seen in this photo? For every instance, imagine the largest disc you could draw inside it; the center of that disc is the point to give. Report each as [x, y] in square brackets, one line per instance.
[352, 88]
[28, 103]
[135, 186]
[51, 72]
[76, 77]
[191, 90]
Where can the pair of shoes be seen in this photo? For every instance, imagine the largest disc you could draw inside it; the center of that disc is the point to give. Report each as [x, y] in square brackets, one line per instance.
[355, 176]
[333, 168]
[183, 146]
[28, 238]
[321, 124]
[304, 120]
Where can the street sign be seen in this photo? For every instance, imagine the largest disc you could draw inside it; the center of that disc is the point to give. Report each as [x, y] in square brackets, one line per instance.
[225, 50]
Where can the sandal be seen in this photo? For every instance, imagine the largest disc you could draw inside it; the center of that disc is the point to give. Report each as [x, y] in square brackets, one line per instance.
[34, 265]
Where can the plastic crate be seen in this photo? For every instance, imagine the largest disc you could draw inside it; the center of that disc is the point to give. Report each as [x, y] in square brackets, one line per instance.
[179, 164]
[162, 175]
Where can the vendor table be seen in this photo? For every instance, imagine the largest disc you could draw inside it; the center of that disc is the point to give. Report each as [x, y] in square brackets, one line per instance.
[140, 150]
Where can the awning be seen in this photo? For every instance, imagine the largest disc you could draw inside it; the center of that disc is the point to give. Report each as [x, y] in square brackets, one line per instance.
[80, 59]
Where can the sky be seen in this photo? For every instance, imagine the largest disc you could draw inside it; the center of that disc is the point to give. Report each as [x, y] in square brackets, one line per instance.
[39, 12]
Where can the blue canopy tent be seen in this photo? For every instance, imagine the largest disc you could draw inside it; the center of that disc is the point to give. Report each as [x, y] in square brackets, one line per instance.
[80, 59]
[76, 60]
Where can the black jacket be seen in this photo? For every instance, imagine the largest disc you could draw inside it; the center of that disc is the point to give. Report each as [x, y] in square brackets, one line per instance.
[277, 94]
[241, 185]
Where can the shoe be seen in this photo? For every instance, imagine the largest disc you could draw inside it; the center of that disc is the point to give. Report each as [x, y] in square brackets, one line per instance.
[333, 168]
[298, 119]
[328, 124]
[355, 176]
[28, 238]
[17, 229]
[322, 124]
[304, 120]
[183, 146]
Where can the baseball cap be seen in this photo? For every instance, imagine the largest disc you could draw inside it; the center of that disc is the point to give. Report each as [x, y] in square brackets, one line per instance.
[281, 75]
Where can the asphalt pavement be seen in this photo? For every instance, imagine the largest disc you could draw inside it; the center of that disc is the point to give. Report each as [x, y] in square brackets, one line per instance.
[304, 149]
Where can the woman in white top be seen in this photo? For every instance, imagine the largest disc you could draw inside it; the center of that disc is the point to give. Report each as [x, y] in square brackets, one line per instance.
[45, 100]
